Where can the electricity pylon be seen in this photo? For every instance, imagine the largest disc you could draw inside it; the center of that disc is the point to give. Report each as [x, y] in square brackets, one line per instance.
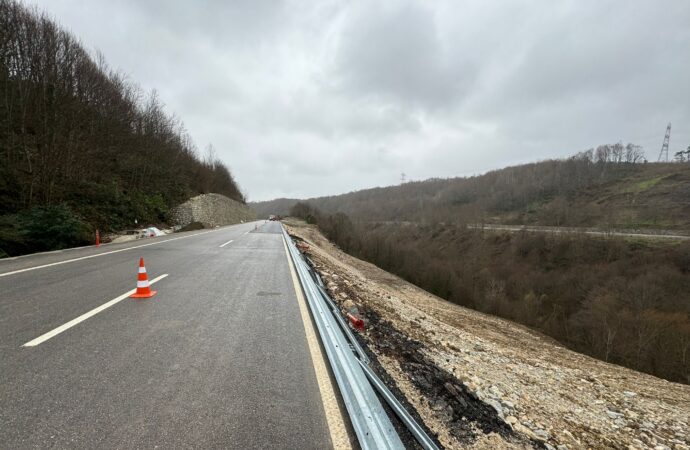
[664, 146]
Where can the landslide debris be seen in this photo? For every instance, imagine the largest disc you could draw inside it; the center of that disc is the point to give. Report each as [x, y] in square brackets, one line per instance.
[468, 417]
[478, 381]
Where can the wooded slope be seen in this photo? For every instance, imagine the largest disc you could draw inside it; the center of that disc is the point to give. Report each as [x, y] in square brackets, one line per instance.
[623, 300]
[582, 191]
[81, 147]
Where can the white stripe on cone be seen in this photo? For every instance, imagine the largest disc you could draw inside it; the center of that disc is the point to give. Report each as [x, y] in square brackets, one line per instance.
[142, 269]
[143, 284]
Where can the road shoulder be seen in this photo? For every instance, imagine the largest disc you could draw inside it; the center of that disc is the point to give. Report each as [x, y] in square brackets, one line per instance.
[340, 438]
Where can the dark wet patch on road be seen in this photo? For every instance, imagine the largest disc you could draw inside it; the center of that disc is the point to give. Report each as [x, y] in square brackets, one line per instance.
[268, 294]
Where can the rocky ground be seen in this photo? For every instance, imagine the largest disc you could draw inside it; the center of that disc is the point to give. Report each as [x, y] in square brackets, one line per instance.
[478, 381]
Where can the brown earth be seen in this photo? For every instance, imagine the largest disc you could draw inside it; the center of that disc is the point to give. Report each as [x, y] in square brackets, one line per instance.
[478, 381]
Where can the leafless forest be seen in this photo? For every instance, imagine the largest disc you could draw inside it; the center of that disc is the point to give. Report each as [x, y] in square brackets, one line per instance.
[625, 301]
[81, 142]
[591, 189]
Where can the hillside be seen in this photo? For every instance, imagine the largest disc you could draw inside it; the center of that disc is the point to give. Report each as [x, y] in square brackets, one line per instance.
[622, 298]
[577, 192]
[477, 381]
[81, 147]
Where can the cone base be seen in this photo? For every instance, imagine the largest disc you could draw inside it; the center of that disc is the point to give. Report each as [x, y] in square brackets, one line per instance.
[147, 295]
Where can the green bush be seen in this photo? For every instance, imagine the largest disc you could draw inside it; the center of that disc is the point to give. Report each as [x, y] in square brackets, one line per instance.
[11, 241]
[52, 228]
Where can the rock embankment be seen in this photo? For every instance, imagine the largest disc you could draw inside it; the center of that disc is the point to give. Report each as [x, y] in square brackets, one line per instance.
[445, 358]
[211, 210]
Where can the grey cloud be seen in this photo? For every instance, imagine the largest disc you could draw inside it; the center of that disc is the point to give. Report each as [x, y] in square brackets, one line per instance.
[218, 23]
[395, 53]
[306, 98]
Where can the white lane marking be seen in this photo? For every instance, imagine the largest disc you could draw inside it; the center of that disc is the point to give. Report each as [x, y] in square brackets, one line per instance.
[85, 316]
[100, 254]
[229, 242]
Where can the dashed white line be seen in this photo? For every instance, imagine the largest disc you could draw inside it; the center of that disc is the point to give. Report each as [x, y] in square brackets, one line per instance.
[229, 242]
[83, 317]
[99, 254]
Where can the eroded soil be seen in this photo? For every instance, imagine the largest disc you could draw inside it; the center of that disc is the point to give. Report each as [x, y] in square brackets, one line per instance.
[478, 381]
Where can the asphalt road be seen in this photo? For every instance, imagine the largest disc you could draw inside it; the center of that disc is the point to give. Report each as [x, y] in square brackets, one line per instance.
[217, 359]
[569, 230]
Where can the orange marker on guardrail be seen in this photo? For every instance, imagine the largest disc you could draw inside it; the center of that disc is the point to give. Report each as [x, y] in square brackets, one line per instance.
[143, 287]
[356, 322]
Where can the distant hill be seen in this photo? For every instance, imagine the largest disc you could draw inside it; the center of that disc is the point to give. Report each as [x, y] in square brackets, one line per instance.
[279, 206]
[580, 191]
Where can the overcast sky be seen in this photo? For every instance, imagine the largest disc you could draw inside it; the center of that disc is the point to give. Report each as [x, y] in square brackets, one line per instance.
[310, 98]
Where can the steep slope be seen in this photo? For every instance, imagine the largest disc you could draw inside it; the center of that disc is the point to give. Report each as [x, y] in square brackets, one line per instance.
[444, 357]
[81, 147]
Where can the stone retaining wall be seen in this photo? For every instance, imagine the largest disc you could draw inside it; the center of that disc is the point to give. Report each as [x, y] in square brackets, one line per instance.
[211, 210]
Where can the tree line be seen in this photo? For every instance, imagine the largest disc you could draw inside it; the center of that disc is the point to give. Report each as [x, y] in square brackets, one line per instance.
[622, 301]
[609, 187]
[79, 140]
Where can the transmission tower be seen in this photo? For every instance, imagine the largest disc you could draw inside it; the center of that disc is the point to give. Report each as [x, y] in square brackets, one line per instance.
[664, 147]
[402, 178]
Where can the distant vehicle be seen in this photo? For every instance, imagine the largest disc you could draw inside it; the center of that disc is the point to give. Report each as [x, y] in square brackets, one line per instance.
[273, 217]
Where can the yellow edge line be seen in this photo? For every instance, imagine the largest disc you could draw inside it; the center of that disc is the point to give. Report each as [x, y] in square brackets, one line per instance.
[340, 438]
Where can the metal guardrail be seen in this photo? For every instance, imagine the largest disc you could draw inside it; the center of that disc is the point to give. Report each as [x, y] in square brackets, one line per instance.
[418, 432]
[369, 420]
[343, 326]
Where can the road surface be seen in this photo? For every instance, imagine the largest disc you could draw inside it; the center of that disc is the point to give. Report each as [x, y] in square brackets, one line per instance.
[219, 358]
[567, 230]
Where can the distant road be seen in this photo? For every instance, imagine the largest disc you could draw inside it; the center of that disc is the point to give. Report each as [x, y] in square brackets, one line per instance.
[218, 358]
[515, 228]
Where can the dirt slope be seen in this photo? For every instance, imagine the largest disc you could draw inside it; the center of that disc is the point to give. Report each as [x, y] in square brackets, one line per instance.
[452, 363]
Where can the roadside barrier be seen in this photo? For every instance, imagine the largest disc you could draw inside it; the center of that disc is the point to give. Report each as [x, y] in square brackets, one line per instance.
[358, 384]
[143, 287]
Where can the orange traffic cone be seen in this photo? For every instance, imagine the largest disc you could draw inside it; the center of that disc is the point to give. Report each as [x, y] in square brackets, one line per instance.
[143, 288]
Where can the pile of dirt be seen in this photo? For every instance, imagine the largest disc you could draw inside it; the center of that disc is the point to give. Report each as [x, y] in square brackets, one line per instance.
[478, 381]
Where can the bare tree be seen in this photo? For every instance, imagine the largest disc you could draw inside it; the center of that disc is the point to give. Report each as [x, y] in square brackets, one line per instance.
[75, 131]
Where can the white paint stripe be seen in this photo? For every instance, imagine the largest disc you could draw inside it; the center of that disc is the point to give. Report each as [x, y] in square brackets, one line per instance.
[100, 254]
[223, 245]
[84, 316]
